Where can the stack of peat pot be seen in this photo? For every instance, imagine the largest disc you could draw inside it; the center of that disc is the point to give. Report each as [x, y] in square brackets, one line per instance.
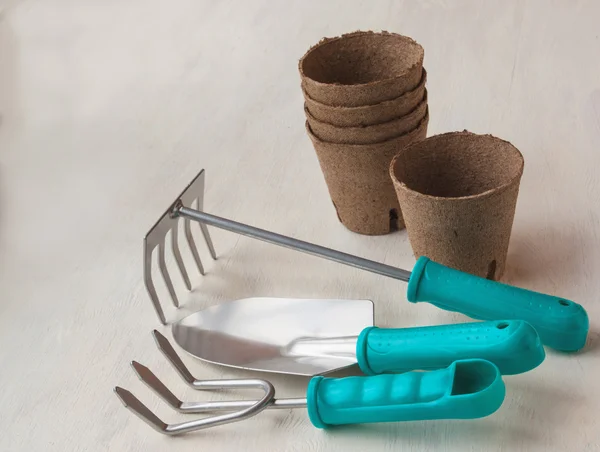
[365, 100]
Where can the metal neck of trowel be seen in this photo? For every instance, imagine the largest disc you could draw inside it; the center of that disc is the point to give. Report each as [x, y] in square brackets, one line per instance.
[295, 244]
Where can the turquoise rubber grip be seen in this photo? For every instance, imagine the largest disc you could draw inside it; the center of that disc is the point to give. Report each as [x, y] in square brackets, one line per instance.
[467, 389]
[512, 345]
[561, 324]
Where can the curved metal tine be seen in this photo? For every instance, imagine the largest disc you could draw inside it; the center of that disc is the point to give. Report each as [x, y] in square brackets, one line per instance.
[152, 381]
[169, 352]
[133, 404]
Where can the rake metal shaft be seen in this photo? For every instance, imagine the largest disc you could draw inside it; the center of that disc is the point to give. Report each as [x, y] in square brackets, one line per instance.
[295, 244]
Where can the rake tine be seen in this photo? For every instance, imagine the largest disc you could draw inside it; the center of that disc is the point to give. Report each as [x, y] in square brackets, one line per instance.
[163, 269]
[150, 285]
[192, 244]
[178, 259]
[205, 233]
[208, 241]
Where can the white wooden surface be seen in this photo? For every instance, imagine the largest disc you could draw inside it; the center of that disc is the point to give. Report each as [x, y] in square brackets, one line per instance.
[110, 107]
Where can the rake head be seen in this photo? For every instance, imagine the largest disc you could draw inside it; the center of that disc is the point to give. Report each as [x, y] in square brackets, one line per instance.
[156, 237]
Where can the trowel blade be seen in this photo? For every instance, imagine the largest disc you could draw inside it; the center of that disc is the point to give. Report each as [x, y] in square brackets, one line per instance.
[282, 335]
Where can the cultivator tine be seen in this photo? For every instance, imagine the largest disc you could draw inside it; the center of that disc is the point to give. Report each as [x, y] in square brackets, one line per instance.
[169, 352]
[152, 381]
[133, 404]
[156, 237]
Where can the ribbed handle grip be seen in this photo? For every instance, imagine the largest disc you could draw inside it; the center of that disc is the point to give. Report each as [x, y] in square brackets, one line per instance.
[512, 345]
[561, 324]
[466, 389]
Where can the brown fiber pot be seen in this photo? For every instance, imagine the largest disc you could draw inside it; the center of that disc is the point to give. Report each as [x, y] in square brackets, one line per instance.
[358, 181]
[361, 68]
[368, 134]
[368, 114]
[458, 193]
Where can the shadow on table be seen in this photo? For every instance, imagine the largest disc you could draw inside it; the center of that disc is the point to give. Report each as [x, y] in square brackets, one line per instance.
[478, 433]
[553, 265]
[553, 255]
[530, 412]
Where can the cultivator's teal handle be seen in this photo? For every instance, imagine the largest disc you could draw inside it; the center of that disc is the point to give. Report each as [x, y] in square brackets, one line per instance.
[561, 324]
[467, 389]
[512, 345]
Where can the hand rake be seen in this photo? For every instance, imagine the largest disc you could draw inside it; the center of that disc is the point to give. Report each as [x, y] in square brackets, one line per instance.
[561, 324]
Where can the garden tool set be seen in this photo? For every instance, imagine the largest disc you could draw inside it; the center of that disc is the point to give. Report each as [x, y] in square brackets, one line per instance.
[418, 373]
[367, 115]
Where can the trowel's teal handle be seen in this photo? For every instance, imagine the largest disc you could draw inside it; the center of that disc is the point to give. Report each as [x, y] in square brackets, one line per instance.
[512, 345]
[467, 389]
[561, 324]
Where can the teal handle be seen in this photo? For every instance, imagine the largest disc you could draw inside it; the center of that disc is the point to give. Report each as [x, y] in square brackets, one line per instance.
[467, 389]
[512, 345]
[561, 324]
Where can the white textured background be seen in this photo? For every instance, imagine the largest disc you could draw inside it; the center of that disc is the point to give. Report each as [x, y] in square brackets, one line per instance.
[110, 107]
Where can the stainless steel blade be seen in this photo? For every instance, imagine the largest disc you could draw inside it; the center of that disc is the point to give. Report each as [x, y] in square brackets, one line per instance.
[282, 335]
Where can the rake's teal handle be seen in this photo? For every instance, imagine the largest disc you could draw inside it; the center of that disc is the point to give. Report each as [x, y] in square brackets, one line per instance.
[467, 389]
[561, 324]
[512, 345]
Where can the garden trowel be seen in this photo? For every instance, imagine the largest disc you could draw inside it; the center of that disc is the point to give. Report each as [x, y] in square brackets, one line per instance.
[318, 336]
